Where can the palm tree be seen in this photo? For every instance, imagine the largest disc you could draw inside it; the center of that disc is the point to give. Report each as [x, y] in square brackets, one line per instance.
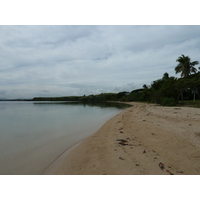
[185, 66]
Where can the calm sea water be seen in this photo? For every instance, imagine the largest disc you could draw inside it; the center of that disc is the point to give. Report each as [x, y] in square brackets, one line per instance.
[34, 134]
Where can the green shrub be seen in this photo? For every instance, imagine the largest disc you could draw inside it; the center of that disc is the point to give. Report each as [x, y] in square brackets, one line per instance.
[168, 102]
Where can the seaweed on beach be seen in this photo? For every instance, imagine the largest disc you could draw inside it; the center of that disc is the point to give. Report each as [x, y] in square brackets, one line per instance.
[122, 142]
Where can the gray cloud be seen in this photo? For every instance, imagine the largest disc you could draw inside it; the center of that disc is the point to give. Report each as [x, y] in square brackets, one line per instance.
[77, 60]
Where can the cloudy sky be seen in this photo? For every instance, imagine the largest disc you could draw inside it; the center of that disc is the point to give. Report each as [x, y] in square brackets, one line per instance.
[78, 60]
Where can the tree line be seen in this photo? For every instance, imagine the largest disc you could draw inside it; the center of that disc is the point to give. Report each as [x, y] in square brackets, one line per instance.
[170, 90]
[166, 91]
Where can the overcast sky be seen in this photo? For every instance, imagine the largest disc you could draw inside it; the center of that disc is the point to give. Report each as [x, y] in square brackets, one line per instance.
[78, 60]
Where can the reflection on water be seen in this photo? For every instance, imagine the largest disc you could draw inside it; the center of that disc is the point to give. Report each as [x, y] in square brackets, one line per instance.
[96, 104]
[33, 134]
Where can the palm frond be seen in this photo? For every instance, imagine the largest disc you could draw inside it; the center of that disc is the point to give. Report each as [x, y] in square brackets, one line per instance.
[185, 66]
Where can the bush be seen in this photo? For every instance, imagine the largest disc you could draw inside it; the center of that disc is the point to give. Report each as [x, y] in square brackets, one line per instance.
[168, 102]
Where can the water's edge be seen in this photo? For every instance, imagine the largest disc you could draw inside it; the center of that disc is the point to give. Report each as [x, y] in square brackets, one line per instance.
[53, 166]
[56, 163]
[45, 133]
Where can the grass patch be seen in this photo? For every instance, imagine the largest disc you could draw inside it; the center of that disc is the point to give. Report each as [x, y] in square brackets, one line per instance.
[190, 103]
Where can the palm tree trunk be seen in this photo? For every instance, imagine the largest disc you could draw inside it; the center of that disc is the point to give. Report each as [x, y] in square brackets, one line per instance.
[198, 94]
[182, 96]
[178, 98]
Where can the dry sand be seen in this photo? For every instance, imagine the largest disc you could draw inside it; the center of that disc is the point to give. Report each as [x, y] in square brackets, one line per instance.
[145, 139]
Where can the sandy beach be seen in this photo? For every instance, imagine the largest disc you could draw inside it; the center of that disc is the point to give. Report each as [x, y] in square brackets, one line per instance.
[145, 139]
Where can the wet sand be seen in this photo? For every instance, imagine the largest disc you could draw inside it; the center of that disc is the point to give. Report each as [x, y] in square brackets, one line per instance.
[145, 139]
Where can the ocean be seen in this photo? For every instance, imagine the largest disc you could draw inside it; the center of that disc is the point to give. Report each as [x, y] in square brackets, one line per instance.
[34, 134]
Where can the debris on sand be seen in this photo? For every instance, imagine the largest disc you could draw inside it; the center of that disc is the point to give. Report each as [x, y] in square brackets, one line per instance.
[161, 165]
[122, 142]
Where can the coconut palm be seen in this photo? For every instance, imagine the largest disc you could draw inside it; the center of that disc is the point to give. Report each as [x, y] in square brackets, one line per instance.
[185, 66]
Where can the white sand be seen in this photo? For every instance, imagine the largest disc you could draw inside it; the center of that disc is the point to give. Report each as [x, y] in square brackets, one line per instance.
[144, 139]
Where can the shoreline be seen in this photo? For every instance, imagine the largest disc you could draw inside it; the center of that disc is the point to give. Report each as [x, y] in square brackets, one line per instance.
[145, 139]
[52, 167]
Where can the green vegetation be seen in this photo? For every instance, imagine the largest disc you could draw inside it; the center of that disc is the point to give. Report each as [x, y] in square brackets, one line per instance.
[170, 91]
[168, 102]
[166, 91]
[185, 66]
[191, 103]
